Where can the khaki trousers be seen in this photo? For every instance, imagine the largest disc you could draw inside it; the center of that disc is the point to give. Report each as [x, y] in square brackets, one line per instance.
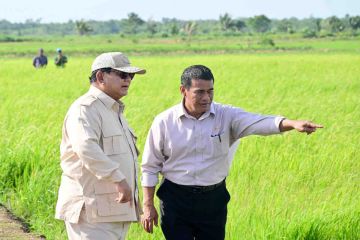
[83, 230]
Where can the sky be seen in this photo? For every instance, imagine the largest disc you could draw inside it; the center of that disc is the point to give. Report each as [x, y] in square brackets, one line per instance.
[65, 10]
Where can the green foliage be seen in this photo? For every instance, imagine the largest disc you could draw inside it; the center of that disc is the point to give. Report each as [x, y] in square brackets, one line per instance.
[224, 25]
[267, 42]
[226, 22]
[334, 24]
[285, 26]
[309, 33]
[151, 27]
[82, 27]
[259, 23]
[354, 22]
[290, 186]
[133, 23]
[189, 30]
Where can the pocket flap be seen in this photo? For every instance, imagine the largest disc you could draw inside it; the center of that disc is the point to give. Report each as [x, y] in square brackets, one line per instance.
[109, 132]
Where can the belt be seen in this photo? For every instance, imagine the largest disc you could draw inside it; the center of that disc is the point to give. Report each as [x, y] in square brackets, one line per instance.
[197, 189]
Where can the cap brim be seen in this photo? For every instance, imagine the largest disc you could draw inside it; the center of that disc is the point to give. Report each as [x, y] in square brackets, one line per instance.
[131, 69]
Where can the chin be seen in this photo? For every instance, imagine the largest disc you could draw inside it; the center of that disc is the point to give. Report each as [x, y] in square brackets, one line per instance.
[124, 93]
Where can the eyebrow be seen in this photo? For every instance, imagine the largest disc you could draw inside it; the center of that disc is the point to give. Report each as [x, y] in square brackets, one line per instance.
[200, 89]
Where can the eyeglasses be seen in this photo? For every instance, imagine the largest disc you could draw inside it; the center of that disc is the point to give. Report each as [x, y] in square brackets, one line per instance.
[123, 75]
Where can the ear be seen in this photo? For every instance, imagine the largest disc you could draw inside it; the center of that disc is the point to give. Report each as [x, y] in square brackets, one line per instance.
[100, 77]
[182, 90]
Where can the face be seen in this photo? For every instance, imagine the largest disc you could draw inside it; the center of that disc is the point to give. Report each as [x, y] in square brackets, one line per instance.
[198, 98]
[115, 84]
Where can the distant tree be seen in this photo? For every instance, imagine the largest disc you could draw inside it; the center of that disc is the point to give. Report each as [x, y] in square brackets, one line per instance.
[260, 23]
[170, 25]
[335, 24]
[317, 22]
[113, 26]
[151, 27]
[189, 29]
[226, 23]
[174, 29]
[354, 22]
[133, 22]
[308, 33]
[82, 27]
[285, 25]
[239, 24]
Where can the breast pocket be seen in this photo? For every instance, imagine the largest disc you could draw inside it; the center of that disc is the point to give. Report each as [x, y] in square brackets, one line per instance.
[105, 195]
[114, 142]
[219, 144]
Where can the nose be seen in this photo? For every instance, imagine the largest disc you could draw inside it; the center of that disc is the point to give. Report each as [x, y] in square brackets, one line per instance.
[127, 79]
[207, 97]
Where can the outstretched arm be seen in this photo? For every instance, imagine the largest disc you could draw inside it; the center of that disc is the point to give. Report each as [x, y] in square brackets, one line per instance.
[300, 125]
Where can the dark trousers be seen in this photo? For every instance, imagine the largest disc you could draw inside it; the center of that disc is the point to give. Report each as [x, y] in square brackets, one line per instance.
[192, 215]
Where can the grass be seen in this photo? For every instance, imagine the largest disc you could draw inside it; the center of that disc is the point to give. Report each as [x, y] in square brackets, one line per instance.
[290, 186]
[93, 45]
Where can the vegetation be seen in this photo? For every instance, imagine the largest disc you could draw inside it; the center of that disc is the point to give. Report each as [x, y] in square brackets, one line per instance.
[283, 187]
[225, 25]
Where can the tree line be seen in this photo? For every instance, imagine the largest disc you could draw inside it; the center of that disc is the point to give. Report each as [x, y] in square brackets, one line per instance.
[167, 27]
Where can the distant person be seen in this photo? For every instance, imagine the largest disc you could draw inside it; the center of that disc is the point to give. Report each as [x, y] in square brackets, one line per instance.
[98, 196]
[191, 145]
[60, 59]
[40, 60]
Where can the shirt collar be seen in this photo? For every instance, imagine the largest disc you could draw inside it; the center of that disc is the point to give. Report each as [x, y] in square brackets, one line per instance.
[181, 111]
[109, 102]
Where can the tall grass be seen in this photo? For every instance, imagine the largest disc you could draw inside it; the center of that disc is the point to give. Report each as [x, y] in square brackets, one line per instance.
[93, 45]
[290, 186]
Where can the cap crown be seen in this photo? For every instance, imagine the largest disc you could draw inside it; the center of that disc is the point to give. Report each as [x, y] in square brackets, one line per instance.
[115, 60]
[110, 60]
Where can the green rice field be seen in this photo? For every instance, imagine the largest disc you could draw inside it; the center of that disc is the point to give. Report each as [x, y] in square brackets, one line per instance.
[289, 186]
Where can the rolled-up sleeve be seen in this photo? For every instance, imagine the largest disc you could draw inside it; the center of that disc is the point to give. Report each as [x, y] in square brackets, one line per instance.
[153, 157]
[84, 132]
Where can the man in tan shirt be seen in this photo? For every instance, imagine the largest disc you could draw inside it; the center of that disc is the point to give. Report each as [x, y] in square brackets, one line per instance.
[191, 144]
[98, 196]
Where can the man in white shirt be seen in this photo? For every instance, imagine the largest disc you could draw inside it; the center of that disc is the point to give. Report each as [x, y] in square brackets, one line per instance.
[191, 145]
[98, 196]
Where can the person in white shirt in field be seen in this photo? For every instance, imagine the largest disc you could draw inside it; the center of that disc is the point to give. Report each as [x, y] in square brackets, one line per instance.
[191, 145]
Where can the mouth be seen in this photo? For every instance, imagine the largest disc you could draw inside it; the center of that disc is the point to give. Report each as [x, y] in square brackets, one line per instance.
[204, 105]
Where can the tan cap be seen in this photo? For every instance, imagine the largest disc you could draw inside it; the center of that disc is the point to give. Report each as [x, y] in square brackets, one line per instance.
[117, 61]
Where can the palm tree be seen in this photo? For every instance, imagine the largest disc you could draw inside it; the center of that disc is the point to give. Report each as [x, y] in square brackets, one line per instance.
[226, 22]
[189, 29]
[82, 27]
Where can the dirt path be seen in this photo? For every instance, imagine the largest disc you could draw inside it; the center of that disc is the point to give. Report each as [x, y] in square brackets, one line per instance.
[11, 228]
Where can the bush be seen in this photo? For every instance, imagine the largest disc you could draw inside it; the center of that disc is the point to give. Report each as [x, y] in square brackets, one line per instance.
[267, 42]
[308, 33]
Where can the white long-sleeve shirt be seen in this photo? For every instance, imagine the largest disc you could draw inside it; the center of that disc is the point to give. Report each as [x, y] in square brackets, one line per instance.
[190, 151]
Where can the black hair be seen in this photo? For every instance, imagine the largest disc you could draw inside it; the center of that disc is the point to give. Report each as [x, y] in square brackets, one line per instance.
[196, 72]
[92, 77]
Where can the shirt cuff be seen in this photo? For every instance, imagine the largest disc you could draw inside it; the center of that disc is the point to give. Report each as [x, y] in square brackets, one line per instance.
[149, 180]
[278, 121]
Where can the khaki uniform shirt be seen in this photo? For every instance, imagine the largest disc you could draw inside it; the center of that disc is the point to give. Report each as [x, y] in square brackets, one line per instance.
[190, 151]
[97, 149]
